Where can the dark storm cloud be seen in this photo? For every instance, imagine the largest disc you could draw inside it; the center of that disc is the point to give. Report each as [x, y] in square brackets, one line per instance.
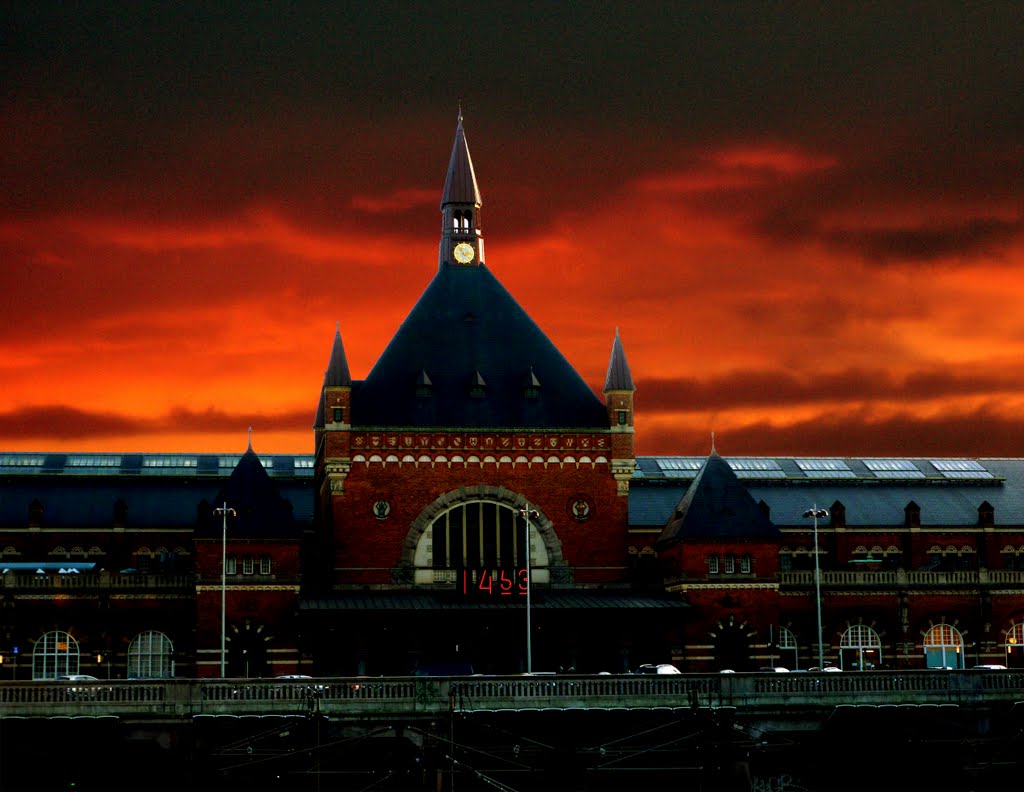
[179, 107]
[776, 389]
[986, 237]
[57, 423]
[979, 433]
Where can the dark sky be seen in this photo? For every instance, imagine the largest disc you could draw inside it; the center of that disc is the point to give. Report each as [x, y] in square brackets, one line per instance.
[805, 219]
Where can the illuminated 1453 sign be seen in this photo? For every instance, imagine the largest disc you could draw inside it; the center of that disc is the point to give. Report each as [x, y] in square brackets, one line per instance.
[488, 583]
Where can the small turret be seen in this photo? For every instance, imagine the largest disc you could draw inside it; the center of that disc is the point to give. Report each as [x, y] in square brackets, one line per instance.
[618, 399]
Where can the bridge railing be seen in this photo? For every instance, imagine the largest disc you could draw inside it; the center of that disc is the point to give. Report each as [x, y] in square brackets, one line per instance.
[408, 696]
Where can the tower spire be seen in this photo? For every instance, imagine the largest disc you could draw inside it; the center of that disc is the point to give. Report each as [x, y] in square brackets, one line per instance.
[462, 244]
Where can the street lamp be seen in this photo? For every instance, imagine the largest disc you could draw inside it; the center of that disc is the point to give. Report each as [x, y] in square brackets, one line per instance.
[528, 514]
[223, 511]
[815, 512]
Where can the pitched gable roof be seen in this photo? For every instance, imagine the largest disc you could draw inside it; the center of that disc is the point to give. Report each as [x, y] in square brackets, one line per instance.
[467, 324]
[716, 505]
[259, 509]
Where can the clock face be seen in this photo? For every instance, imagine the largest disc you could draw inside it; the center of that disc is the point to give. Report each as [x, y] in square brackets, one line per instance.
[464, 252]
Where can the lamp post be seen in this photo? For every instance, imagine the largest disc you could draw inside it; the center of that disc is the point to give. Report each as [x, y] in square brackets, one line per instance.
[528, 514]
[815, 512]
[223, 511]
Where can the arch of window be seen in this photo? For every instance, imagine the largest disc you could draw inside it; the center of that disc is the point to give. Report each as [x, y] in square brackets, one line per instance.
[943, 647]
[860, 648]
[1015, 645]
[787, 648]
[150, 655]
[480, 527]
[55, 654]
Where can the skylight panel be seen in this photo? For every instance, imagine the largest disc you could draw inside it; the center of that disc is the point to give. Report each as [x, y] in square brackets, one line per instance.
[961, 469]
[94, 461]
[893, 468]
[678, 463]
[169, 462]
[825, 468]
[21, 460]
[756, 467]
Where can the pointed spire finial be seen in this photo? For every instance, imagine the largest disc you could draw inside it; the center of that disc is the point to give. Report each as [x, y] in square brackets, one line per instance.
[250, 438]
[712, 442]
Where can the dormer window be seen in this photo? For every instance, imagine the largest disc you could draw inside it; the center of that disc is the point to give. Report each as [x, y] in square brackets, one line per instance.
[424, 387]
[531, 386]
[477, 386]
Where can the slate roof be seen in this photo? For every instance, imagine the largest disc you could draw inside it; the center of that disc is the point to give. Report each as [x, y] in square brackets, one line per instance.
[619, 376]
[716, 505]
[460, 183]
[467, 326]
[869, 500]
[259, 510]
[79, 490]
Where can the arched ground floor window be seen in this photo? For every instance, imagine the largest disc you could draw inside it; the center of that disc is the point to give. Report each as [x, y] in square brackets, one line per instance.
[150, 656]
[943, 647]
[54, 655]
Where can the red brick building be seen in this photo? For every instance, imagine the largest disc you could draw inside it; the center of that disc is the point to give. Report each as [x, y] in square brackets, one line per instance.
[473, 503]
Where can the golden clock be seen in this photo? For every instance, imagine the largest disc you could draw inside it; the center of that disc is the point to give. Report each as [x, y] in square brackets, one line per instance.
[464, 252]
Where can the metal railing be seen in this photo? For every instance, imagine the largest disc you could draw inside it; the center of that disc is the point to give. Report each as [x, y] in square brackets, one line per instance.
[410, 696]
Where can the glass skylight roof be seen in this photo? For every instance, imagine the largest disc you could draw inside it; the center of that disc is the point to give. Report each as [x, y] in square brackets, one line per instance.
[961, 469]
[756, 467]
[825, 468]
[893, 468]
[678, 463]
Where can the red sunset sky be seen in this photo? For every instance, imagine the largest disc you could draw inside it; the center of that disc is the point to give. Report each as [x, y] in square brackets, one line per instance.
[806, 220]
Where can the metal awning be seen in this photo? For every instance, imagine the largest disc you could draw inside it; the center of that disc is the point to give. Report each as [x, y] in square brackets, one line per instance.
[444, 600]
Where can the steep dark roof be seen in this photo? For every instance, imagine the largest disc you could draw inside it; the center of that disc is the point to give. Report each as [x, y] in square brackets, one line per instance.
[337, 367]
[789, 486]
[467, 330]
[619, 376]
[259, 510]
[460, 183]
[716, 506]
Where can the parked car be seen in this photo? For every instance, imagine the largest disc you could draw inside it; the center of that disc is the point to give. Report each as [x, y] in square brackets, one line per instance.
[774, 670]
[658, 668]
[990, 667]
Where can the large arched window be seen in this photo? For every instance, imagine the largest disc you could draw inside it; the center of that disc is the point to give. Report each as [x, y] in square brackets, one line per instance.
[788, 649]
[1015, 646]
[480, 535]
[943, 647]
[54, 655]
[150, 655]
[860, 648]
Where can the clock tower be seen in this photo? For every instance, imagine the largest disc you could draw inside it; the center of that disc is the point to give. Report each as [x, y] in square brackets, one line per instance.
[462, 244]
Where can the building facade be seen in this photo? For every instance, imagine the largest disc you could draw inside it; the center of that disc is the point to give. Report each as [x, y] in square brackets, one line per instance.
[472, 504]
